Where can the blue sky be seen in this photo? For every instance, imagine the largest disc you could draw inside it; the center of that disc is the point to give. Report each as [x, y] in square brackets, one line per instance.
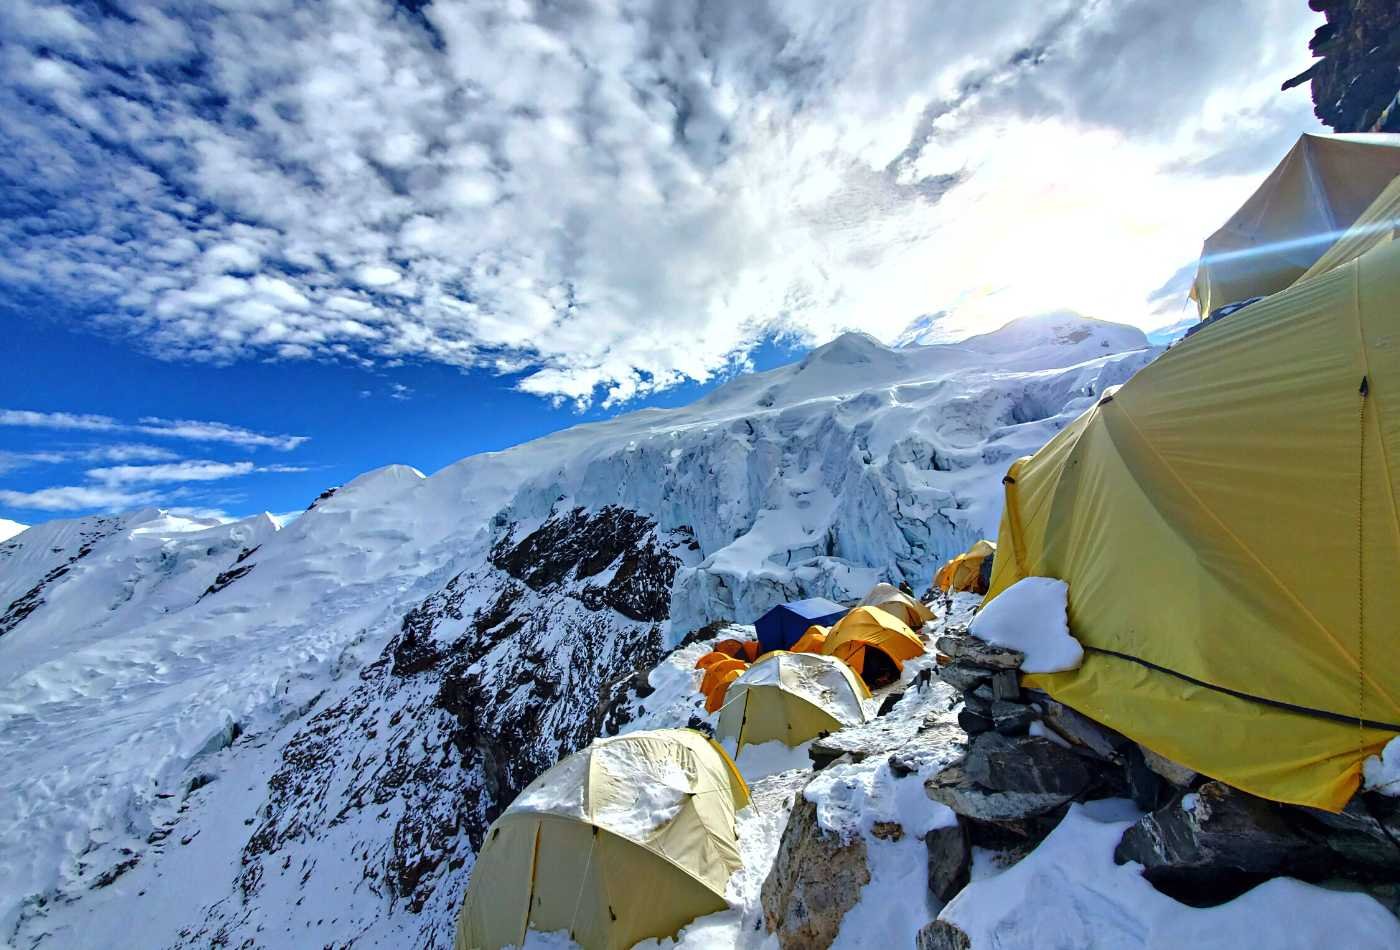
[324, 237]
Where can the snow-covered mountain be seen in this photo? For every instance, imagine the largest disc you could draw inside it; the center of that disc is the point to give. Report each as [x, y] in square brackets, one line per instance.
[8, 528]
[259, 737]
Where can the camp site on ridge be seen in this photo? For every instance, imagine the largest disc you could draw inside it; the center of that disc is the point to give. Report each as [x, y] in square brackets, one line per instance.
[788, 560]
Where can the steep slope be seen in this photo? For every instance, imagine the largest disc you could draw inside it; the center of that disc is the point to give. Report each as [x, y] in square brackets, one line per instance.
[296, 737]
[8, 528]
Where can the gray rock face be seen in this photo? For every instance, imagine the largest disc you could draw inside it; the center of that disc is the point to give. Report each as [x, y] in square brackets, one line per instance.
[1366, 835]
[816, 878]
[941, 935]
[949, 860]
[1026, 764]
[955, 789]
[1079, 730]
[1217, 843]
[1012, 719]
[979, 653]
[964, 677]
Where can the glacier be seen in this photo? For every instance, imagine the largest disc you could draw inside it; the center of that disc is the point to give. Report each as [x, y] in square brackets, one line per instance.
[295, 735]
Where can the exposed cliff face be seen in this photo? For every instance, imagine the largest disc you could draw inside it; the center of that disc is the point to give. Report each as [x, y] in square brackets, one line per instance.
[1357, 79]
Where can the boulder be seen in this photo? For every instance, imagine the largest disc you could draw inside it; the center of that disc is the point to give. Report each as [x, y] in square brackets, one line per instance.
[963, 676]
[954, 788]
[1079, 730]
[1208, 846]
[1012, 719]
[974, 723]
[1365, 835]
[949, 860]
[977, 652]
[1006, 685]
[1026, 764]
[1148, 790]
[941, 935]
[815, 879]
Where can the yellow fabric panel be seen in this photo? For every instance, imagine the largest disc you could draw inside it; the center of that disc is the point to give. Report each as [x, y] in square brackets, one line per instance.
[495, 912]
[962, 572]
[1320, 188]
[1206, 516]
[714, 671]
[810, 642]
[768, 713]
[1376, 226]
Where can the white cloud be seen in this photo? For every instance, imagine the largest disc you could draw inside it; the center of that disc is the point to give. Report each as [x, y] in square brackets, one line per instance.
[191, 430]
[191, 470]
[625, 195]
[77, 498]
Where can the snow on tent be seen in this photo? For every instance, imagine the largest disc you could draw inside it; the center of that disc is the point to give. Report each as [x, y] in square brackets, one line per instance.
[1227, 524]
[969, 571]
[1316, 193]
[874, 643]
[633, 837]
[781, 627]
[791, 697]
[895, 602]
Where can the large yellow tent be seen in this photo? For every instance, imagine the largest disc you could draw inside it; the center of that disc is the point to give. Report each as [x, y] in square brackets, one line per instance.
[790, 698]
[968, 571]
[865, 629]
[894, 601]
[634, 837]
[1227, 523]
[1316, 193]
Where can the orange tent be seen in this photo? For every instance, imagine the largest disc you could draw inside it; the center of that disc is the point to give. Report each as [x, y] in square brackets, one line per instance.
[716, 670]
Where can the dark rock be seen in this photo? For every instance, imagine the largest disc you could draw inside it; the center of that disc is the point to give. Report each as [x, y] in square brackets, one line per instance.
[816, 878]
[941, 935]
[889, 703]
[1148, 790]
[1006, 685]
[1223, 843]
[974, 723]
[1355, 82]
[1012, 719]
[949, 860]
[954, 788]
[979, 653]
[1025, 764]
[963, 677]
[980, 700]
[1081, 732]
[1365, 835]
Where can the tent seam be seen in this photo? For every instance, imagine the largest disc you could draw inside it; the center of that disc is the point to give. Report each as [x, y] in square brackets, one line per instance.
[1302, 608]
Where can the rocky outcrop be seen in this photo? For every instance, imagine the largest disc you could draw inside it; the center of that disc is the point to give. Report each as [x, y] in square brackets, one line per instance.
[949, 860]
[1357, 78]
[942, 935]
[816, 878]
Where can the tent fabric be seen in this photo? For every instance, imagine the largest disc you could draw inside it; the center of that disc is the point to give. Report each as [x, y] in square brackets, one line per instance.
[567, 854]
[714, 698]
[790, 698]
[968, 571]
[895, 602]
[1319, 190]
[810, 642]
[711, 658]
[1227, 524]
[715, 670]
[1376, 226]
[867, 628]
[781, 627]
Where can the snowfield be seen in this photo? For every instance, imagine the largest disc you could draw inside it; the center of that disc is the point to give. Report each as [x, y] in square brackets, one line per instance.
[293, 736]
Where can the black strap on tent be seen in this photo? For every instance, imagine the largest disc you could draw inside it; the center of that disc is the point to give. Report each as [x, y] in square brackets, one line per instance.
[1364, 390]
[1275, 703]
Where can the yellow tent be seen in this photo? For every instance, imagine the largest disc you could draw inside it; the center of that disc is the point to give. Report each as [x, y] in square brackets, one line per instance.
[633, 837]
[968, 571]
[1227, 523]
[1315, 194]
[895, 602]
[811, 641]
[867, 629]
[791, 697]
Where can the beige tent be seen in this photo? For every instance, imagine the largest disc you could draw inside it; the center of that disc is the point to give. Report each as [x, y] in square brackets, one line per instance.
[896, 603]
[633, 837]
[791, 697]
[1314, 195]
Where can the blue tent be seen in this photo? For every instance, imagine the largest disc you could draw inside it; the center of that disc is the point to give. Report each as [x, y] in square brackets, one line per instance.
[781, 627]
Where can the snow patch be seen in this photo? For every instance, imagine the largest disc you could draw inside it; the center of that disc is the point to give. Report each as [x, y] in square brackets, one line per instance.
[1032, 616]
[1381, 773]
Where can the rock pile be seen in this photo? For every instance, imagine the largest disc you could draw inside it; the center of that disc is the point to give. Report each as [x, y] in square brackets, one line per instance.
[1201, 841]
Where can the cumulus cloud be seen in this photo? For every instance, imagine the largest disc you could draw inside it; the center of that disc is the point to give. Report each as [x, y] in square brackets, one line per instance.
[187, 429]
[613, 197]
